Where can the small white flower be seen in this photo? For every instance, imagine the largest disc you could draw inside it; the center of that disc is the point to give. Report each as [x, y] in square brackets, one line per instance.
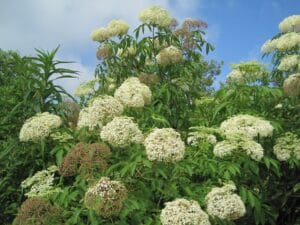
[290, 24]
[236, 144]
[164, 145]
[155, 15]
[118, 27]
[169, 55]
[247, 72]
[235, 76]
[195, 137]
[122, 131]
[289, 62]
[286, 146]
[183, 212]
[100, 110]
[247, 126]
[100, 34]
[133, 93]
[106, 197]
[282, 43]
[291, 85]
[39, 126]
[41, 183]
[223, 203]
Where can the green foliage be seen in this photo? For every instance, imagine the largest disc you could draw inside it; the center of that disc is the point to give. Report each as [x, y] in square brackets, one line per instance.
[179, 83]
[27, 87]
[43, 93]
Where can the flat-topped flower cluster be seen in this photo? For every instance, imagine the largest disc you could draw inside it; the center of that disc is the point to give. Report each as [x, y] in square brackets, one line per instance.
[182, 211]
[287, 47]
[99, 111]
[224, 203]
[114, 28]
[287, 146]
[39, 126]
[247, 126]
[41, 184]
[106, 197]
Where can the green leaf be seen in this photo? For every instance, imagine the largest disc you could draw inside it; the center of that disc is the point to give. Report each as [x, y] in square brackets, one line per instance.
[162, 173]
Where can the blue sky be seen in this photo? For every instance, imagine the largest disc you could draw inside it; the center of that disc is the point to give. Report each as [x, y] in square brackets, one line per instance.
[237, 28]
[243, 26]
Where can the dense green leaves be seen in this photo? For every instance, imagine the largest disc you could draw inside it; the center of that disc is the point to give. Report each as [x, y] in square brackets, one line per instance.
[27, 86]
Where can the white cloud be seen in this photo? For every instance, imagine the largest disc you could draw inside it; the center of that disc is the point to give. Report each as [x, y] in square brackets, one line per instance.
[45, 23]
[25, 25]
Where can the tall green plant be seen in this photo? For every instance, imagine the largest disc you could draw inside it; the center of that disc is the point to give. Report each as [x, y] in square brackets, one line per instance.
[27, 86]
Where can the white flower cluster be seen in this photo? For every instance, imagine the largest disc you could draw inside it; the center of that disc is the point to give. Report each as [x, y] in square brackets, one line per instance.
[133, 93]
[183, 212]
[290, 24]
[234, 145]
[106, 197]
[235, 76]
[100, 34]
[85, 88]
[247, 126]
[122, 131]
[247, 72]
[225, 204]
[165, 145]
[114, 28]
[169, 55]
[118, 27]
[286, 146]
[155, 15]
[291, 85]
[100, 110]
[106, 187]
[253, 149]
[288, 62]
[195, 137]
[41, 183]
[278, 106]
[39, 126]
[283, 43]
[224, 148]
